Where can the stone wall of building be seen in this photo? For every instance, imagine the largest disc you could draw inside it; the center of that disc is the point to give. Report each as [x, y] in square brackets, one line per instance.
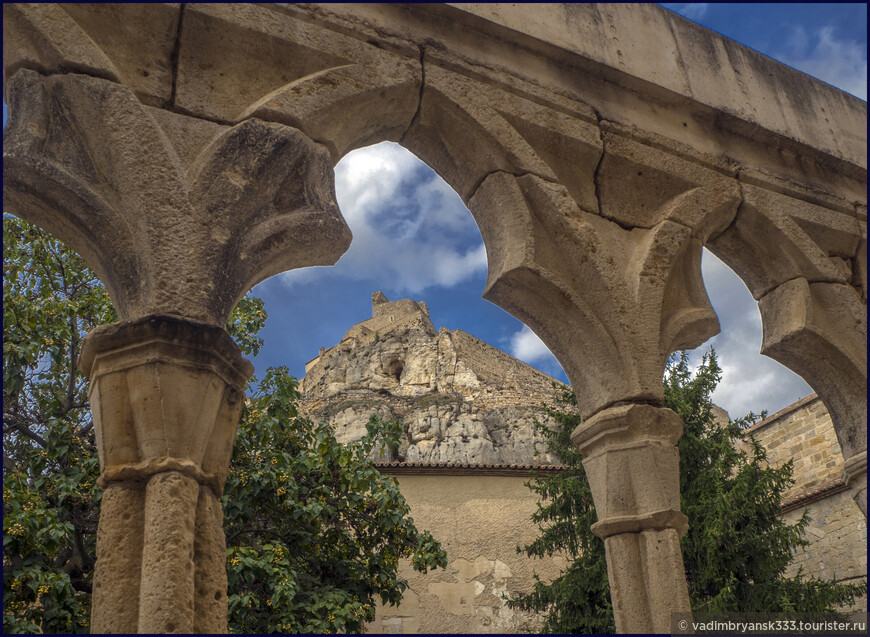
[804, 433]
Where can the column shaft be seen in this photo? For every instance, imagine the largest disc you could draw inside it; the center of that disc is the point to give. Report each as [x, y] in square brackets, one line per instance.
[167, 592]
[210, 548]
[633, 466]
[115, 600]
[166, 394]
[647, 580]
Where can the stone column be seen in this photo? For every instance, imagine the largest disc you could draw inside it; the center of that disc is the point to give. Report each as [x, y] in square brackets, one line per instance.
[166, 395]
[612, 284]
[179, 217]
[633, 468]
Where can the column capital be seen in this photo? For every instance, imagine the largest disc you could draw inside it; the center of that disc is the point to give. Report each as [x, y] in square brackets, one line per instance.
[632, 463]
[629, 424]
[166, 394]
[175, 214]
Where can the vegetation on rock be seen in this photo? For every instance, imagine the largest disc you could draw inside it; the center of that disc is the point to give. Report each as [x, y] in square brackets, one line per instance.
[314, 532]
[737, 549]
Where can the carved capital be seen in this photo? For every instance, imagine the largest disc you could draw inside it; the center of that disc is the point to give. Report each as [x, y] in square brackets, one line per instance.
[611, 302]
[166, 395]
[175, 215]
[633, 467]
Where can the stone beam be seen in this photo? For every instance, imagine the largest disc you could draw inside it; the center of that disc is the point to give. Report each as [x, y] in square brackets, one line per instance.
[694, 87]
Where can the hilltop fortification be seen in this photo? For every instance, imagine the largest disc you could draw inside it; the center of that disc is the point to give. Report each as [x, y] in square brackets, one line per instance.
[462, 401]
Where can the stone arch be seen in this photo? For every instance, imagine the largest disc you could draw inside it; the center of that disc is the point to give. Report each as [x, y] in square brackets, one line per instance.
[213, 168]
[532, 169]
[802, 255]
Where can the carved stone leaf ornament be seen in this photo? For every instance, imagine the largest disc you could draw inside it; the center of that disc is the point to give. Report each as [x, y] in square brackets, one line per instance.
[90, 164]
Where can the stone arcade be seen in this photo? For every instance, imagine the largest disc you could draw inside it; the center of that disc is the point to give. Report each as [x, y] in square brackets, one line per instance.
[187, 152]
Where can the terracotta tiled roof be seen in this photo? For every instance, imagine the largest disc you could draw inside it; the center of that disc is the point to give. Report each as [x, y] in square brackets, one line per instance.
[814, 495]
[455, 468]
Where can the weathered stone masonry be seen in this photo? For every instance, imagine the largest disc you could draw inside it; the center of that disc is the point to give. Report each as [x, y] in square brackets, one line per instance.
[803, 432]
[186, 151]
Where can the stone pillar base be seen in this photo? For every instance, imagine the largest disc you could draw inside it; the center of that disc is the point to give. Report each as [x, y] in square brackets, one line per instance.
[166, 395]
[633, 466]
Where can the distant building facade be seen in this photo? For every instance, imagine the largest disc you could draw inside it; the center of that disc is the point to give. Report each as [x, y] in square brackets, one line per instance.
[804, 433]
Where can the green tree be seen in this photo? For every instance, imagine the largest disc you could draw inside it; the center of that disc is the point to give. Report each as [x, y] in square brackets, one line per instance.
[313, 530]
[327, 531]
[737, 548]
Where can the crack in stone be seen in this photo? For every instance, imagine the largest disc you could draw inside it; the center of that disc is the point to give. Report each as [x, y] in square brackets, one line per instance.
[809, 282]
[173, 58]
[600, 161]
[733, 221]
[416, 116]
[596, 180]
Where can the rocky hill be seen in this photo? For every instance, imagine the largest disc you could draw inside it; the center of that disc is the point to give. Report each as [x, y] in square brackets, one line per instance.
[461, 400]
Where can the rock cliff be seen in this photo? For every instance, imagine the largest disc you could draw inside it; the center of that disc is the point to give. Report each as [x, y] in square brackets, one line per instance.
[460, 399]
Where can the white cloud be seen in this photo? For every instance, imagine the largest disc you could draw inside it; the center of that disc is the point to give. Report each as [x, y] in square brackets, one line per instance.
[410, 229]
[692, 10]
[841, 63]
[526, 346]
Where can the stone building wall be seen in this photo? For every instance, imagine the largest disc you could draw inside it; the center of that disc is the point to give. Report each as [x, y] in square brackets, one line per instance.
[837, 531]
[804, 432]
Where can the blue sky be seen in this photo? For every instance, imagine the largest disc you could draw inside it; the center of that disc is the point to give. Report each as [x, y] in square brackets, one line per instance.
[414, 238]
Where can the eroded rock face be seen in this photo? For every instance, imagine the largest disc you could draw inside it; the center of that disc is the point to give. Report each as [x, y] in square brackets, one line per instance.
[460, 399]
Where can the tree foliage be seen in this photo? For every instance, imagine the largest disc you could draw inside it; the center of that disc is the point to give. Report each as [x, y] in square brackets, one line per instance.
[327, 530]
[737, 549]
[314, 532]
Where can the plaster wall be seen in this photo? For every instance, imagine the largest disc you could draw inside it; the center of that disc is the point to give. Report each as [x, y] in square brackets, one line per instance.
[480, 520]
